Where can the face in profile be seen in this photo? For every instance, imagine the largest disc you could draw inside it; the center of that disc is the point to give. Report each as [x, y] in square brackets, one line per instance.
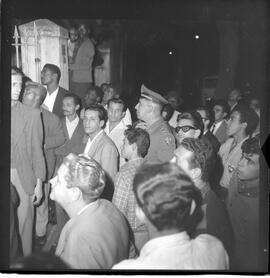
[249, 167]
[73, 35]
[182, 157]
[16, 86]
[234, 124]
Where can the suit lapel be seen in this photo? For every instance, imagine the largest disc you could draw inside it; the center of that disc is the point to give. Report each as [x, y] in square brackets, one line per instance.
[96, 144]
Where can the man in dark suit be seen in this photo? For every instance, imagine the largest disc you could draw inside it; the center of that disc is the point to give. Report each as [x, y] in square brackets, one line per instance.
[50, 76]
[219, 128]
[207, 118]
[34, 96]
[27, 160]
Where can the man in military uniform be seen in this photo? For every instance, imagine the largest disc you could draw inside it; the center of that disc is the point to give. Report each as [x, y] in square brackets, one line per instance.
[162, 141]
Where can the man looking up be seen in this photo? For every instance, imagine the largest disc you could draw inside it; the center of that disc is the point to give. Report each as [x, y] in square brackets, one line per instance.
[168, 202]
[96, 236]
[27, 161]
[162, 141]
[54, 137]
[242, 123]
[195, 157]
[50, 76]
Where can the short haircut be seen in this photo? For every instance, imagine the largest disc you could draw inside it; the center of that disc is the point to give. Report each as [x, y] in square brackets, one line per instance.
[85, 173]
[16, 71]
[97, 90]
[209, 113]
[165, 194]
[37, 86]
[102, 112]
[195, 117]
[224, 104]
[54, 69]
[247, 115]
[203, 155]
[169, 110]
[118, 100]
[140, 137]
[76, 99]
[251, 145]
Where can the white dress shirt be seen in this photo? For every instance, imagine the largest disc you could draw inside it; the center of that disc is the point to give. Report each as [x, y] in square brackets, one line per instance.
[216, 126]
[117, 136]
[178, 251]
[71, 125]
[49, 101]
[90, 142]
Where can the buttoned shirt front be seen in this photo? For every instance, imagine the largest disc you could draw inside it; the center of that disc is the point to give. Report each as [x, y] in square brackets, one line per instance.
[124, 197]
[90, 142]
[178, 251]
[49, 101]
[117, 136]
[71, 125]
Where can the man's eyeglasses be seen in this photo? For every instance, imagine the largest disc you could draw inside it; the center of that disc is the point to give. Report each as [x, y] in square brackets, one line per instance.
[184, 128]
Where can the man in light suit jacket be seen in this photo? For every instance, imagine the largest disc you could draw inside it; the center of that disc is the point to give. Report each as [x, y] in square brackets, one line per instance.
[34, 96]
[219, 128]
[98, 145]
[27, 160]
[50, 76]
[96, 236]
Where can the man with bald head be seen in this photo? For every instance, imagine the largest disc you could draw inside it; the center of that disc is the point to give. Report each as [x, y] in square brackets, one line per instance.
[54, 137]
[162, 141]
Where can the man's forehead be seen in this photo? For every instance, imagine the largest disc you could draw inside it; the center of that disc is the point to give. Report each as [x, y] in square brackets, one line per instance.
[91, 113]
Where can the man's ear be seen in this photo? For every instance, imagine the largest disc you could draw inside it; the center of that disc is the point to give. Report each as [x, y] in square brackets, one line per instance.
[195, 173]
[101, 123]
[225, 114]
[77, 107]
[75, 193]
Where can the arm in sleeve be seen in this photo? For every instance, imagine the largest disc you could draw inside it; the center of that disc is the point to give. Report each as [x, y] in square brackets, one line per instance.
[57, 137]
[109, 160]
[36, 136]
[166, 148]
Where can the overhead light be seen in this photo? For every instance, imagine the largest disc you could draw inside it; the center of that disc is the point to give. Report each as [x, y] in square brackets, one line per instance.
[197, 37]
[170, 52]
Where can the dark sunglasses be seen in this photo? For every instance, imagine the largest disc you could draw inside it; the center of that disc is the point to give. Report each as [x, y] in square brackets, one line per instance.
[184, 128]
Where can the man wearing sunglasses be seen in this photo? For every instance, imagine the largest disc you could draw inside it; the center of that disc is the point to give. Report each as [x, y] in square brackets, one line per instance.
[162, 141]
[190, 125]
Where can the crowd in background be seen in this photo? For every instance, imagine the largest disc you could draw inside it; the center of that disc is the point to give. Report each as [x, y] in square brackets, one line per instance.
[167, 189]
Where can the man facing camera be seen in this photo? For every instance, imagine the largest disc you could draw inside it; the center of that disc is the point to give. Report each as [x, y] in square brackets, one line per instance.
[96, 236]
[168, 202]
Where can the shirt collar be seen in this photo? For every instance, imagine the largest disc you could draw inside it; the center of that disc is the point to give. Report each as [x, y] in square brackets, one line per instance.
[76, 119]
[87, 206]
[54, 92]
[96, 136]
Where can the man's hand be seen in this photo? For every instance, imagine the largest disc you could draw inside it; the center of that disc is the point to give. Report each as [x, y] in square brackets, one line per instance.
[142, 125]
[37, 196]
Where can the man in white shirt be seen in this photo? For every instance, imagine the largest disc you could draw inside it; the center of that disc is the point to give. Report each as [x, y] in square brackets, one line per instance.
[168, 202]
[113, 91]
[115, 126]
[221, 111]
[96, 236]
[50, 76]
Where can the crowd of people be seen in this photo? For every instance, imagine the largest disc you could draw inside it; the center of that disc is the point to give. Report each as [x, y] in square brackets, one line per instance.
[169, 189]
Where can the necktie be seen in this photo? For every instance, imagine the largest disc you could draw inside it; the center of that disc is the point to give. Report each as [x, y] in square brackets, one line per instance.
[213, 128]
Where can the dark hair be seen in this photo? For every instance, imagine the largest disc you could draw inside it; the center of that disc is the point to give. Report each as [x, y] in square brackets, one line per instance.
[118, 100]
[116, 88]
[251, 145]
[85, 173]
[169, 111]
[54, 69]
[193, 116]
[97, 90]
[76, 99]
[224, 104]
[102, 112]
[203, 155]
[140, 137]
[40, 261]
[247, 115]
[165, 194]
[209, 113]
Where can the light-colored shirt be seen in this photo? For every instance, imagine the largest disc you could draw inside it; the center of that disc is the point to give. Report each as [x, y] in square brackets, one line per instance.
[215, 127]
[49, 101]
[230, 159]
[71, 125]
[117, 136]
[90, 142]
[178, 251]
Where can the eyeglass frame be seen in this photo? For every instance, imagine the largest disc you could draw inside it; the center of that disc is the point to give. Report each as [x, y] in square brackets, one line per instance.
[189, 127]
